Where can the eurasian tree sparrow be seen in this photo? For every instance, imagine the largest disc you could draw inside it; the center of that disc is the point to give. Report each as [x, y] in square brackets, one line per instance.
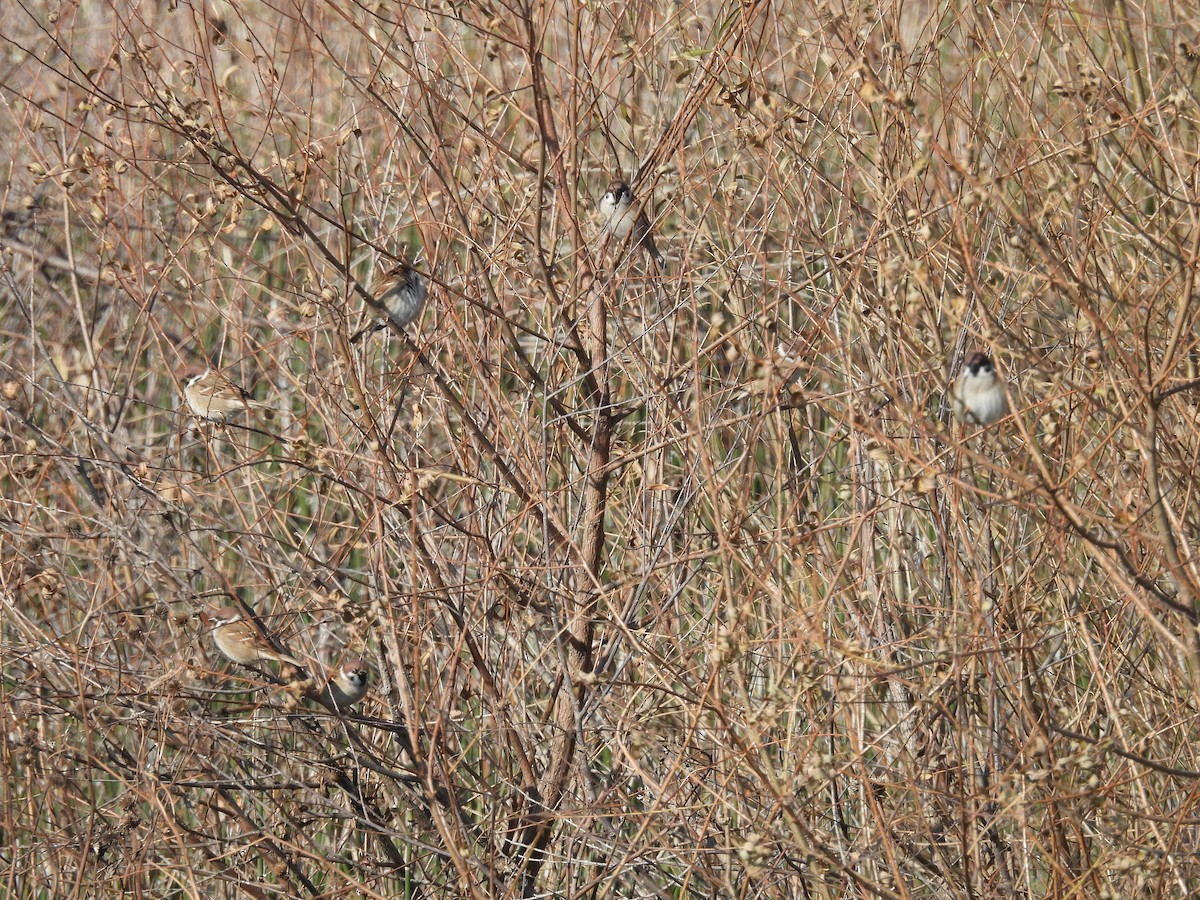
[210, 395]
[401, 290]
[979, 393]
[239, 639]
[348, 684]
[622, 214]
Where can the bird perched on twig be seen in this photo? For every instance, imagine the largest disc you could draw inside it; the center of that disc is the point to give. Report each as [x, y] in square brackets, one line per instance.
[624, 214]
[240, 640]
[402, 291]
[978, 394]
[212, 396]
[347, 685]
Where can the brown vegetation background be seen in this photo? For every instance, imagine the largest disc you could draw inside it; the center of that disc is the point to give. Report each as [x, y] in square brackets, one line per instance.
[652, 608]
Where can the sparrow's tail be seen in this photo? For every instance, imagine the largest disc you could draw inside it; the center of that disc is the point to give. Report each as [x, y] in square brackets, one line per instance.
[283, 656]
[368, 329]
[266, 409]
[648, 243]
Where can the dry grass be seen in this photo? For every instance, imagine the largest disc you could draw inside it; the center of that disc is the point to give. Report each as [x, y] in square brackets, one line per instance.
[659, 612]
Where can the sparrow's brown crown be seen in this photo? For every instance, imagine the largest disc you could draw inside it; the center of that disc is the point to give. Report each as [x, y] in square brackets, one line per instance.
[979, 361]
[618, 188]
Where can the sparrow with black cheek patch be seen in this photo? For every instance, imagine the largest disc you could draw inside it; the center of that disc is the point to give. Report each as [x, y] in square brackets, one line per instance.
[623, 214]
[239, 640]
[211, 396]
[978, 395]
[401, 290]
[347, 685]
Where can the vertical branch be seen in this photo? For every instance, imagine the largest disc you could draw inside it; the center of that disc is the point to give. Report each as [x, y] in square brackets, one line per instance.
[576, 643]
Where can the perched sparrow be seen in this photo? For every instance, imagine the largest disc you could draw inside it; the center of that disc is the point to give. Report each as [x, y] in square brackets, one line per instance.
[348, 684]
[212, 396]
[622, 214]
[239, 639]
[402, 291]
[979, 393]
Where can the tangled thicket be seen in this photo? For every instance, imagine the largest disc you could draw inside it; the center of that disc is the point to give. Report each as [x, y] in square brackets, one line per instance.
[673, 583]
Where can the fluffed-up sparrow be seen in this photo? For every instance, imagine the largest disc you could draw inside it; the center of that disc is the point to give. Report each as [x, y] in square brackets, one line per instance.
[402, 291]
[979, 392]
[623, 213]
[210, 395]
[348, 684]
[239, 639]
